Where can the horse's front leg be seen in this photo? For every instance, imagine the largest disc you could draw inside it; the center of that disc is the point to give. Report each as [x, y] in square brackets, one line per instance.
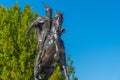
[65, 72]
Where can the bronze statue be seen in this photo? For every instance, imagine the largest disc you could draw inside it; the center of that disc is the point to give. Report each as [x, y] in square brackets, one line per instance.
[51, 46]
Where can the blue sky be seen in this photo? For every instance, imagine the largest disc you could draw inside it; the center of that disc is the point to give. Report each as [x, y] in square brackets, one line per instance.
[92, 34]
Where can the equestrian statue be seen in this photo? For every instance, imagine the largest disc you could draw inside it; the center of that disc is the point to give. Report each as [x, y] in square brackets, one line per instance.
[51, 47]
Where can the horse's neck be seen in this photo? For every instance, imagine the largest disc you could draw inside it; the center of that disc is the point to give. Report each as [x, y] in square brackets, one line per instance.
[53, 29]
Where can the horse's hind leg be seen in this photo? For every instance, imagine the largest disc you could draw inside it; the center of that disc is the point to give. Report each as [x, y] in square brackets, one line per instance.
[37, 74]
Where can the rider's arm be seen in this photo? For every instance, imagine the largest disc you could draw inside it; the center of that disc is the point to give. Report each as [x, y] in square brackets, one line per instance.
[31, 26]
[38, 21]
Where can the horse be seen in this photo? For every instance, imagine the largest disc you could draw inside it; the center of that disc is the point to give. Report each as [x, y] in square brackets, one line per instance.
[54, 52]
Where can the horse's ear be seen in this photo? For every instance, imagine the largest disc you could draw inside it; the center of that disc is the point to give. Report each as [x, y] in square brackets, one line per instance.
[61, 13]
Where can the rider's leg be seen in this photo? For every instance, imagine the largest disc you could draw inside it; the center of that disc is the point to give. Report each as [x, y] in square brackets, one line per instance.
[57, 56]
[42, 41]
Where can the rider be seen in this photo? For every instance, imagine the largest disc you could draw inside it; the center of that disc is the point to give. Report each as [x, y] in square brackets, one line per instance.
[42, 26]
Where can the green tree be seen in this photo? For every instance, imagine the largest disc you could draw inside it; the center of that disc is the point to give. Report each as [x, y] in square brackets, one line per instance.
[16, 59]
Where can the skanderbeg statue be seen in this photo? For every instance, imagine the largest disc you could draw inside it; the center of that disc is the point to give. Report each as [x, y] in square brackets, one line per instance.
[51, 47]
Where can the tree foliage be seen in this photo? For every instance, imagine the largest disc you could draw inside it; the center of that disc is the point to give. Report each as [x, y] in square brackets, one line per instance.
[16, 59]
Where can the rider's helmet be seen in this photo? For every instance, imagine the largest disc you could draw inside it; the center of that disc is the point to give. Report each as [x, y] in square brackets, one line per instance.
[48, 10]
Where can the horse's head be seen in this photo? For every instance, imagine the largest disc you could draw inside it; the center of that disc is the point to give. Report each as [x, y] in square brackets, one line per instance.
[58, 19]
